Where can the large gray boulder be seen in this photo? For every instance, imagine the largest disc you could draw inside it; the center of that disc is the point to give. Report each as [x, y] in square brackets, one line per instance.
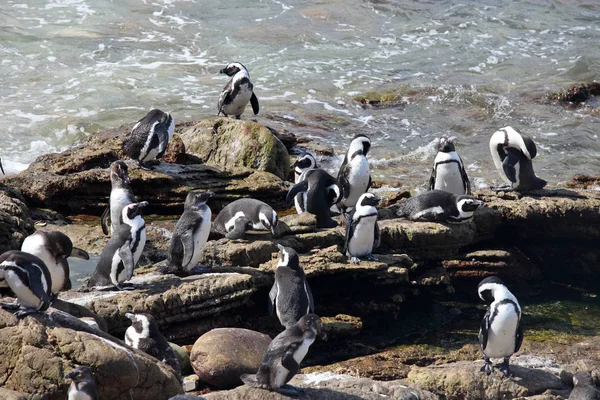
[15, 220]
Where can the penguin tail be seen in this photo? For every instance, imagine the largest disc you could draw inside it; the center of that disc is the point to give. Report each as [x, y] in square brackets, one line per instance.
[250, 380]
[79, 253]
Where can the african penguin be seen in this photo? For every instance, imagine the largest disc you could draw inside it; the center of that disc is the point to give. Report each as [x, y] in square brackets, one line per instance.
[448, 171]
[123, 250]
[584, 387]
[243, 214]
[53, 248]
[120, 195]
[284, 354]
[83, 386]
[237, 93]
[500, 335]
[149, 137]
[190, 234]
[320, 191]
[303, 163]
[143, 334]
[354, 177]
[441, 206]
[362, 231]
[512, 154]
[30, 281]
[290, 295]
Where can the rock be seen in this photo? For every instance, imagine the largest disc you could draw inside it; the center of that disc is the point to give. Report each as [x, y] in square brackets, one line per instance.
[229, 143]
[342, 326]
[584, 182]
[190, 382]
[7, 394]
[15, 221]
[300, 223]
[37, 351]
[175, 152]
[577, 94]
[184, 359]
[221, 356]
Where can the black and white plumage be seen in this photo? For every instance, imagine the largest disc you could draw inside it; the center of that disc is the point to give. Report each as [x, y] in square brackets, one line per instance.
[584, 388]
[303, 163]
[439, 206]
[284, 354]
[500, 335]
[143, 334]
[245, 214]
[512, 153]
[122, 252]
[290, 295]
[320, 191]
[120, 196]
[150, 136]
[237, 93]
[354, 177]
[83, 386]
[362, 231]
[190, 234]
[448, 173]
[53, 248]
[1, 167]
[30, 281]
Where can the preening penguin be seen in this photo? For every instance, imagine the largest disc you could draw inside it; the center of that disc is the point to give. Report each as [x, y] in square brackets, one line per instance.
[123, 250]
[584, 387]
[354, 177]
[290, 295]
[362, 231]
[440, 206]
[448, 171]
[284, 355]
[120, 195]
[53, 248]
[149, 137]
[512, 154]
[143, 334]
[190, 234]
[320, 191]
[243, 214]
[83, 386]
[500, 335]
[303, 163]
[237, 93]
[29, 279]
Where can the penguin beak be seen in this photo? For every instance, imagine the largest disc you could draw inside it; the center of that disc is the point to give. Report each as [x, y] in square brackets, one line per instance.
[280, 247]
[130, 316]
[223, 71]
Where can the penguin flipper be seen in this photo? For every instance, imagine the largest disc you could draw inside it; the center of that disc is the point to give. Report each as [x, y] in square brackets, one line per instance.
[254, 102]
[465, 177]
[509, 164]
[187, 241]
[238, 229]
[161, 133]
[289, 362]
[342, 180]
[272, 297]
[225, 96]
[104, 220]
[349, 231]
[34, 275]
[311, 301]
[518, 338]
[299, 187]
[127, 259]
[432, 179]
[376, 236]
[483, 330]
[65, 266]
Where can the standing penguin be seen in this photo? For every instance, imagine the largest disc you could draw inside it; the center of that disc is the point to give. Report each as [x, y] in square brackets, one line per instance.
[143, 334]
[512, 154]
[83, 386]
[303, 163]
[29, 279]
[584, 387]
[448, 171]
[440, 206]
[284, 354]
[123, 250]
[53, 248]
[362, 231]
[320, 191]
[354, 177]
[243, 214]
[190, 234]
[290, 295]
[149, 137]
[237, 93]
[120, 195]
[500, 334]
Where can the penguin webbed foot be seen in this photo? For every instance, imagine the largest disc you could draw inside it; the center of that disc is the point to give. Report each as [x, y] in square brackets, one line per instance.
[371, 257]
[199, 270]
[501, 188]
[53, 297]
[505, 369]
[291, 391]
[11, 306]
[125, 286]
[22, 313]
[355, 260]
[487, 367]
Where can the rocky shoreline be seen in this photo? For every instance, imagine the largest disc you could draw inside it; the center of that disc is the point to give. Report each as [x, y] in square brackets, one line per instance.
[525, 239]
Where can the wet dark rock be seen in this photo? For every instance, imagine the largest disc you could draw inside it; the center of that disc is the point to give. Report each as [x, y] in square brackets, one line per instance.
[15, 220]
[577, 93]
[584, 182]
[175, 152]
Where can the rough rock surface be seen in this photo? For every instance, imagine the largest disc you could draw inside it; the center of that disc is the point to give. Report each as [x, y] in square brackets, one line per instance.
[221, 356]
[37, 351]
[229, 143]
[15, 220]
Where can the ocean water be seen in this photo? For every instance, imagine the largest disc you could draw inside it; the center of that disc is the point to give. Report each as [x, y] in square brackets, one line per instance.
[70, 68]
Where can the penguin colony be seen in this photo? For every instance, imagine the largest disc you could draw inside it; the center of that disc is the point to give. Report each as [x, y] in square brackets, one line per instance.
[38, 272]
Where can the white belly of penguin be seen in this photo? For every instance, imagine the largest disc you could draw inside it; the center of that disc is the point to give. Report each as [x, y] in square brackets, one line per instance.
[35, 245]
[26, 297]
[299, 354]
[501, 335]
[74, 394]
[358, 178]
[240, 101]
[119, 198]
[361, 243]
[449, 179]
[200, 238]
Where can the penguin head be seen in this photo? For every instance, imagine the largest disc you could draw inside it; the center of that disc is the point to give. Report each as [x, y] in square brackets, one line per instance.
[288, 257]
[130, 211]
[81, 373]
[467, 203]
[268, 217]
[195, 199]
[530, 146]
[305, 162]
[583, 378]
[446, 145]
[488, 287]
[368, 199]
[361, 144]
[312, 322]
[144, 324]
[119, 172]
[233, 68]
